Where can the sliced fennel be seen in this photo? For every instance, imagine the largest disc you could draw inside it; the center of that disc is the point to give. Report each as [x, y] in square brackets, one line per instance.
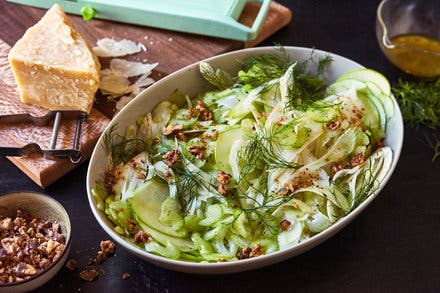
[248, 169]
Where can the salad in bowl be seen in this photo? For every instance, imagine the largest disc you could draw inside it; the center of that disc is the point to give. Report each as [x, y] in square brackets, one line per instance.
[263, 157]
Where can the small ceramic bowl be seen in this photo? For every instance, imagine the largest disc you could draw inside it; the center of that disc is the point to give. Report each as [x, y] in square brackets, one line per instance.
[43, 207]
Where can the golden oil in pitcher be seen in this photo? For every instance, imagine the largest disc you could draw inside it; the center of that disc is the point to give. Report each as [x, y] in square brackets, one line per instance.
[415, 54]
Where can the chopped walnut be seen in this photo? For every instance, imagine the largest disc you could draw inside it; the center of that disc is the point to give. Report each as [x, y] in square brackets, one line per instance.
[172, 129]
[100, 257]
[6, 224]
[28, 246]
[181, 136]
[198, 151]
[89, 275]
[23, 269]
[357, 160]
[141, 237]
[107, 249]
[131, 226]
[244, 253]
[285, 224]
[51, 245]
[171, 157]
[200, 111]
[71, 264]
[223, 190]
[223, 179]
[247, 252]
[302, 180]
[256, 251]
[44, 263]
[107, 246]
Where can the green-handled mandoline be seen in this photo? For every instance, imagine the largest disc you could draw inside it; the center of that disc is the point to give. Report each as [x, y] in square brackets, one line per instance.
[206, 17]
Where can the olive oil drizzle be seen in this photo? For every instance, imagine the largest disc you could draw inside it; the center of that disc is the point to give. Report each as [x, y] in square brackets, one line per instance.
[415, 54]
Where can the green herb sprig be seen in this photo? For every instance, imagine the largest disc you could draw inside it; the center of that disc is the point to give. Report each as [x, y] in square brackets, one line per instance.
[121, 149]
[218, 78]
[419, 101]
[307, 87]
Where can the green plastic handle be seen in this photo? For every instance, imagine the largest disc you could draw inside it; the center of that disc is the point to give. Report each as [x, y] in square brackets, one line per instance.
[212, 18]
[259, 20]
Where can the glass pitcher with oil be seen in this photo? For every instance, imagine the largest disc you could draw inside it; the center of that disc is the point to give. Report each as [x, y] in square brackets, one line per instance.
[408, 32]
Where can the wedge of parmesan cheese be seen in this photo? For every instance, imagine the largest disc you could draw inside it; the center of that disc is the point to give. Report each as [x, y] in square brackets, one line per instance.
[54, 66]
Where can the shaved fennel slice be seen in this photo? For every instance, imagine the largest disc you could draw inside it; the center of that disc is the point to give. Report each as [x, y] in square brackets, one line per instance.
[291, 236]
[127, 176]
[370, 174]
[318, 222]
[286, 82]
[341, 148]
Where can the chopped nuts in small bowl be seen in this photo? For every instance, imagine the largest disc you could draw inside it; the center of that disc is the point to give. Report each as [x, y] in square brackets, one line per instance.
[34, 240]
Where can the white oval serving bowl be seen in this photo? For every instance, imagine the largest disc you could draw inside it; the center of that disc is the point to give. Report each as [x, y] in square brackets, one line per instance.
[189, 81]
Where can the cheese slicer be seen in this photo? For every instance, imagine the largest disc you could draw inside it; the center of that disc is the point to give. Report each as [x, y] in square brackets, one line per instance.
[74, 153]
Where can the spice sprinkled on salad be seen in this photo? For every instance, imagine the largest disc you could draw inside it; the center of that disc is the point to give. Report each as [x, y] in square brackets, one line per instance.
[268, 158]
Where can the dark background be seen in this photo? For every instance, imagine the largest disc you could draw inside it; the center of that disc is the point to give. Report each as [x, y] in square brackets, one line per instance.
[393, 246]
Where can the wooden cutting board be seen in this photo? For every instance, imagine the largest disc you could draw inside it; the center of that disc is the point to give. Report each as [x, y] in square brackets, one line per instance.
[172, 50]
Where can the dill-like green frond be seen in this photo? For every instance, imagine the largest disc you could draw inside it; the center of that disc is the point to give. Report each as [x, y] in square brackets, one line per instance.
[433, 142]
[121, 149]
[323, 64]
[419, 101]
[306, 87]
[218, 78]
[261, 69]
[188, 186]
[260, 149]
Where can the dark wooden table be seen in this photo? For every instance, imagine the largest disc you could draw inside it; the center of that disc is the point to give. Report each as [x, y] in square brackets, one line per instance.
[393, 246]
